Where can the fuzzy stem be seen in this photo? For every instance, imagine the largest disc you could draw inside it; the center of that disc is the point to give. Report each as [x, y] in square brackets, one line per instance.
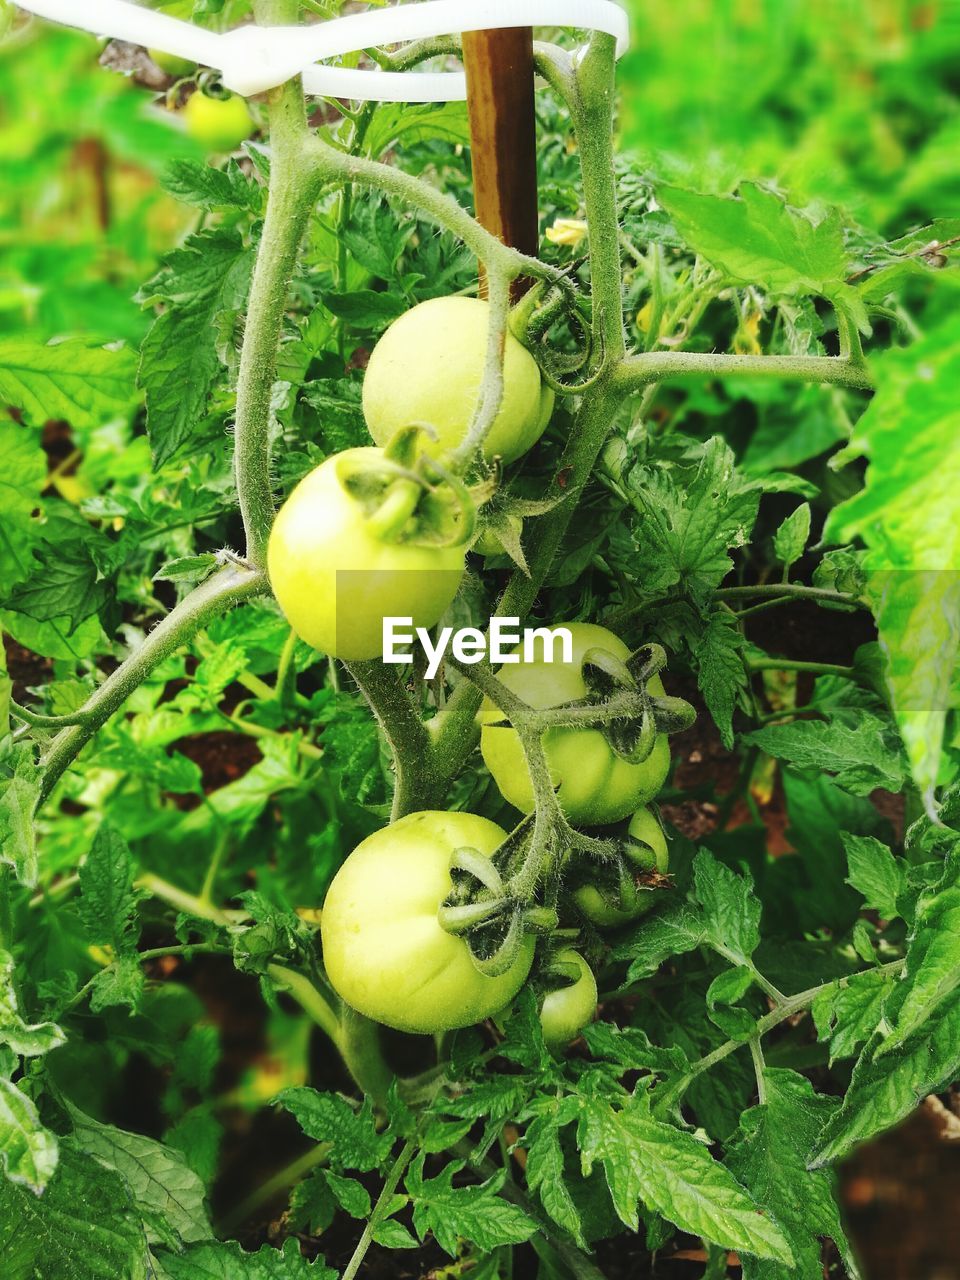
[790, 664]
[790, 1006]
[386, 1195]
[404, 730]
[231, 585]
[293, 187]
[658, 366]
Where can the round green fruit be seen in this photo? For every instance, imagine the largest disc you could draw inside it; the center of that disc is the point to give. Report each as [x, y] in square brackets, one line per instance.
[384, 949]
[218, 124]
[652, 855]
[567, 1010]
[594, 785]
[428, 367]
[336, 576]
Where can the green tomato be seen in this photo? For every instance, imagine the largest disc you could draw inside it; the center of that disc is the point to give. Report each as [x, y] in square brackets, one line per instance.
[171, 64]
[218, 124]
[336, 577]
[595, 786]
[565, 1012]
[384, 949]
[643, 826]
[427, 368]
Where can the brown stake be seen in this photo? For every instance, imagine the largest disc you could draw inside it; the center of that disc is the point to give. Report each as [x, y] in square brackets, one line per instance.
[503, 136]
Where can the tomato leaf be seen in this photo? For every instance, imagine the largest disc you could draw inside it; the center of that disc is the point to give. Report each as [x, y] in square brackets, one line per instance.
[757, 238]
[217, 1261]
[769, 1156]
[72, 381]
[205, 280]
[675, 1175]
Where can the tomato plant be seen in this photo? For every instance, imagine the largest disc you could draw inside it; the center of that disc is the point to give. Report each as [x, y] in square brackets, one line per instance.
[314, 965]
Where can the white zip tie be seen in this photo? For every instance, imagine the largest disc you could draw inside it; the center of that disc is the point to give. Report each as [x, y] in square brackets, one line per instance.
[252, 59]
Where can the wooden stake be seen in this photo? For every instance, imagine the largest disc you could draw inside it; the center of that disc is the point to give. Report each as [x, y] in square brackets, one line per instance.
[503, 136]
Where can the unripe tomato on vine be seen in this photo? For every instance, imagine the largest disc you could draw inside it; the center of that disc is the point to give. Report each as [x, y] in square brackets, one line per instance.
[567, 1010]
[218, 124]
[651, 855]
[338, 565]
[384, 949]
[428, 367]
[594, 784]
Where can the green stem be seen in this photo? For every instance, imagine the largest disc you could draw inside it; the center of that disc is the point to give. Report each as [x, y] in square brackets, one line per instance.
[308, 998]
[274, 1187]
[791, 1005]
[189, 904]
[285, 666]
[185, 949]
[791, 589]
[790, 664]
[759, 1067]
[659, 366]
[491, 388]
[228, 587]
[328, 164]
[362, 1054]
[38, 721]
[213, 870]
[293, 188]
[405, 732]
[593, 113]
[294, 983]
[379, 1209]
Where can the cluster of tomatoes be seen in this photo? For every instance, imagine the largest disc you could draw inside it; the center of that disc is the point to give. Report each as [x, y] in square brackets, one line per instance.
[342, 555]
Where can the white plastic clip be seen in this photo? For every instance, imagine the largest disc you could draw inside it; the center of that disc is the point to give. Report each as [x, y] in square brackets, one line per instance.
[252, 59]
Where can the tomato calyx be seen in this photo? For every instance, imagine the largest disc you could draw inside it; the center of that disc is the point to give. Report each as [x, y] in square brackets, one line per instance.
[410, 497]
[491, 913]
[618, 703]
[501, 529]
[613, 683]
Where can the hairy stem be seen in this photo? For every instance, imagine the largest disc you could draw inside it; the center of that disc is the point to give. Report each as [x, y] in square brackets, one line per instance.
[379, 1209]
[328, 164]
[638, 371]
[293, 187]
[593, 114]
[790, 1006]
[790, 664]
[229, 586]
[404, 730]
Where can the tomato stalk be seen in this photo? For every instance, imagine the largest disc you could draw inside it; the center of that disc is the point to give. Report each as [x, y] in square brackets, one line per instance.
[231, 585]
[293, 190]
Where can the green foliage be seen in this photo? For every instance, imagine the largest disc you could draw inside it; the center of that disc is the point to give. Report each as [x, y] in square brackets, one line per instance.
[783, 174]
